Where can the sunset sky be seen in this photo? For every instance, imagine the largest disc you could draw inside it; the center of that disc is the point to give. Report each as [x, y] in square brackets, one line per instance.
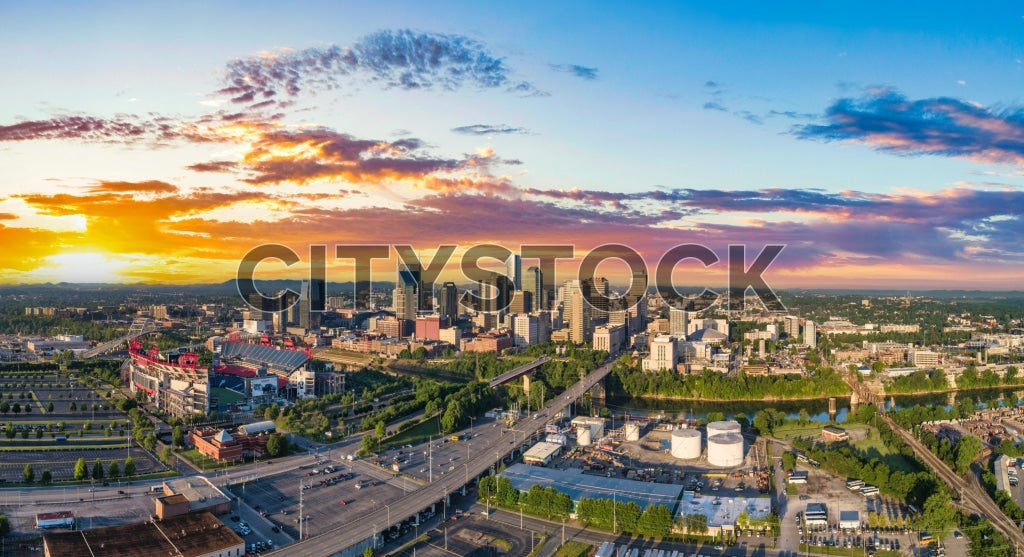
[883, 145]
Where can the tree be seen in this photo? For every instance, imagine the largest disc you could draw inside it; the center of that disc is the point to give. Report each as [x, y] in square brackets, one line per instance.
[178, 437]
[274, 445]
[49, 407]
[73, 406]
[938, 514]
[114, 471]
[97, 470]
[368, 552]
[5, 407]
[149, 442]
[370, 442]
[29, 474]
[46, 478]
[81, 471]
[129, 467]
[5, 525]
[16, 408]
[420, 353]
[380, 429]
[272, 412]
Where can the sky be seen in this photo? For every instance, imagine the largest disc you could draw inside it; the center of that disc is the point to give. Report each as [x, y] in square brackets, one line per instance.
[881, 144]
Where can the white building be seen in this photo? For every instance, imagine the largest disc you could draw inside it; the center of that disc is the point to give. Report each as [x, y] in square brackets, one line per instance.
[663, 354]
[610, 338]
[810, 334]
[923, 358]
[526, 330]
[678, 322]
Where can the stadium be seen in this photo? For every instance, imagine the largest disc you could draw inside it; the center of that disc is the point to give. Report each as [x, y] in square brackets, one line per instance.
[179, 385]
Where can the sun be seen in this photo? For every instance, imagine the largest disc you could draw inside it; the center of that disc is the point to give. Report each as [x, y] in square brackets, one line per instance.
[82, 267]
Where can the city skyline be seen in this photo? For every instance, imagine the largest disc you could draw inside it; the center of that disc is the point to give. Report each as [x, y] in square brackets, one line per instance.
[159, 144]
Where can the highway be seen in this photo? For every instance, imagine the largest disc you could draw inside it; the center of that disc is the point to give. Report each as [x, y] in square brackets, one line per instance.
[518, 372]
[972, 494]
[358, 530]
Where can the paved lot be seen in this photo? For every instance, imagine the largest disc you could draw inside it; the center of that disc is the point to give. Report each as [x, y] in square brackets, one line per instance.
[472, 537]
[61, 463]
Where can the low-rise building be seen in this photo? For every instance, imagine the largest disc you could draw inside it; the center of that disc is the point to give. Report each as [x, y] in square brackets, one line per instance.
[833, 433]
[187, 535]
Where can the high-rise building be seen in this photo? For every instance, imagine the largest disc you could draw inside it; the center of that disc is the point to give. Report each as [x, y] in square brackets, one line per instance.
[579, 312]
[494, 294]
[312, 298]
[526, 329]
[448, 301]
[810, 334]
[412, 275]
[678, 322]
[597, 297]
[663, 354]
[522, 301]
[404, 298]
[791, 326]
[532, 283]
[514, 270]
[609, 338]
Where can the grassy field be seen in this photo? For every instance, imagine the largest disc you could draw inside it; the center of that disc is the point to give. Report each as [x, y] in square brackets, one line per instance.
[226, 396]
[573, 549]
[789, 432]
[845, 551]
[203, 462]
[418, 434]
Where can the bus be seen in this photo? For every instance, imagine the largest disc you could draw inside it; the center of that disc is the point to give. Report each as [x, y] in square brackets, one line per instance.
[927, 539]
[854, 485]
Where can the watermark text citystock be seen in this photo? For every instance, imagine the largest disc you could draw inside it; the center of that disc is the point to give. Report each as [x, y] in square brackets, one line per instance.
[741, 279]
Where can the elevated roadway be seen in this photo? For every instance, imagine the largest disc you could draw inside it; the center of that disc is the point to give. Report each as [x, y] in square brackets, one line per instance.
[519, 371]
[366, 527]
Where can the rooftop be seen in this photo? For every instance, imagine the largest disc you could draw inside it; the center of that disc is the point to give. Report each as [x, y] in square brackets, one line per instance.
[578, 485]
[187, 535]
[198, 490]
[724, 510]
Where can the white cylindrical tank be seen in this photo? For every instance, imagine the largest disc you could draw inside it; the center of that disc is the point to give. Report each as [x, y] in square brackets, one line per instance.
[583, 437]
[725, 450]
[686, 444]
[632, 431]
[725, 426]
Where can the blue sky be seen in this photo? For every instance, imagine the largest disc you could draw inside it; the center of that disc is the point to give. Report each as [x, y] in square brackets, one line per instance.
[855, 134]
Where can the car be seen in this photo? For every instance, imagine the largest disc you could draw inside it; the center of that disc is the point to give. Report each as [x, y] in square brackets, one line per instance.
[957, 534]
[275, 529]
[343, 503]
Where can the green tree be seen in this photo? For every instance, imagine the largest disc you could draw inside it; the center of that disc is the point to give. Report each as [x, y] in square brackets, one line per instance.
[16, 408]
[380, 429]
[274, 445]
[29, 474]
[178, 437]
[81, 471]
[114, 471]
[370, 443]
[272, 412]
[368, 552]
[938, 514]
[46, 478]
[49, 407]
[167, 456]
[5, 525]
[656, 520]
[149, 442]
[420, 353]
[73, 406]
[97, 470]
[129, 466]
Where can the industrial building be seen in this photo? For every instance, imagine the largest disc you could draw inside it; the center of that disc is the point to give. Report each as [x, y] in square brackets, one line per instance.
[191, 495]
[849, 520]
[188, 535]
[722, 512]
[816, 514]
[578, 485]
[541, 453]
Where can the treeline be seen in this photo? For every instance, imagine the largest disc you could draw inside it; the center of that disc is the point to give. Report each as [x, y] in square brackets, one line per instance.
[607, 514]
[717, 386]
[971, 378]
[1001, 497]
[919, 381]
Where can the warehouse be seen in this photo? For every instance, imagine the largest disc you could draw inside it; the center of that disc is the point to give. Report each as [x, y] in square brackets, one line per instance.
[578, 485]
[849, 520]
[723, 512]
[541, 453]
[816, 514]
[192, 494]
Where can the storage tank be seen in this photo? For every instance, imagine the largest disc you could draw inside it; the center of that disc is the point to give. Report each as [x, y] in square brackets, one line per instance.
[725, 426]
[583, 437]
[632, 431]
[725, 450]
[686, 444]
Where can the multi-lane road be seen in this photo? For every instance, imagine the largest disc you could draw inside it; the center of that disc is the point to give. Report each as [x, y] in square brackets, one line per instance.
[367, 526]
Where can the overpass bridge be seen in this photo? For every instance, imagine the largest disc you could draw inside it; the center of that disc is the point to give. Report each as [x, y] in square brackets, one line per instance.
[138, 328]
[354, 535]
[518, 372]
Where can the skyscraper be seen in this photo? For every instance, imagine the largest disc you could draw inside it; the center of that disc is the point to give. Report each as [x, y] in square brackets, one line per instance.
[514, 270]
[495, 291]
[532, 284]
[404, 298]
[448, 302]
[810, 334]
[678, 322]
[412, 275]
[312, 297]
[579, 312]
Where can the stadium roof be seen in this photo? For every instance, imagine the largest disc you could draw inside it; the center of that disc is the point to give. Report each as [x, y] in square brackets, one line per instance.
[723, 511]
[187, 535]
[274, 358]
[579, 485]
